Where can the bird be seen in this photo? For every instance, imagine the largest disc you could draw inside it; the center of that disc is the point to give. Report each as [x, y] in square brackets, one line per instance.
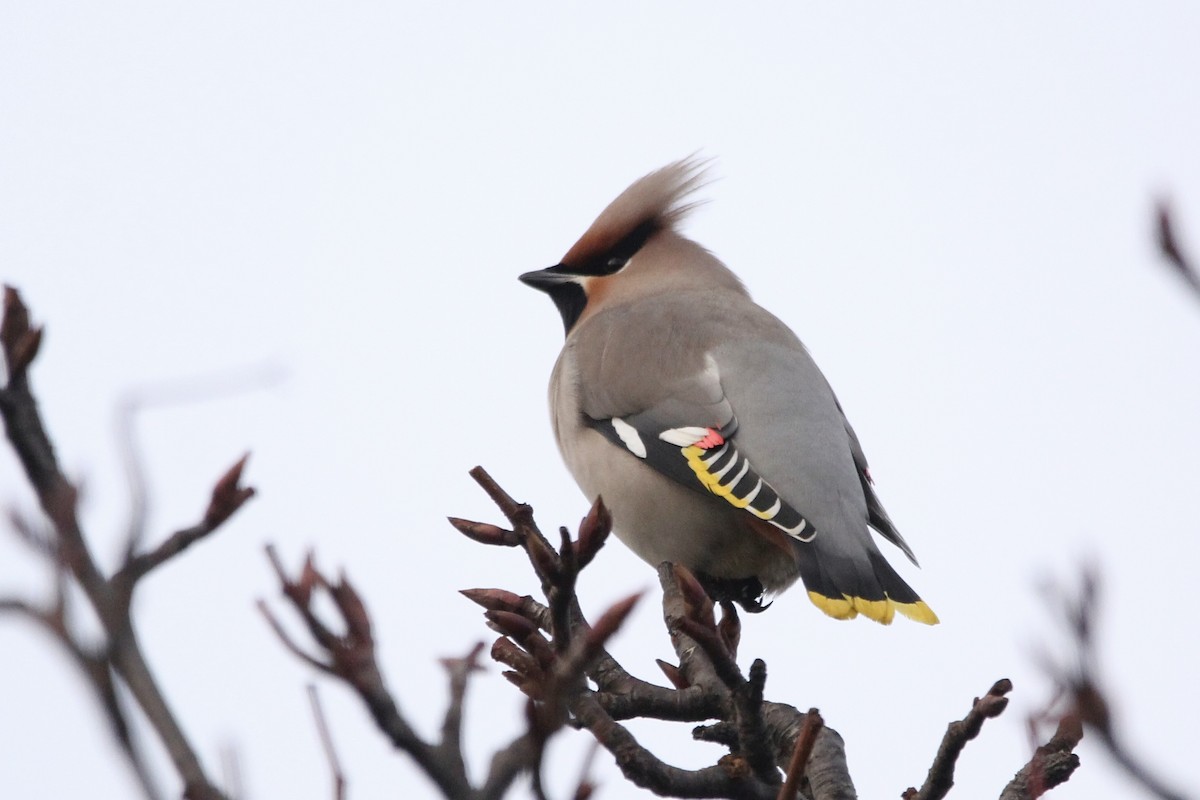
[704, 424]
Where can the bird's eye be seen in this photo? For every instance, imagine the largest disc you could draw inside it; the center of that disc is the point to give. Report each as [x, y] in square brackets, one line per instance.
[617, 263]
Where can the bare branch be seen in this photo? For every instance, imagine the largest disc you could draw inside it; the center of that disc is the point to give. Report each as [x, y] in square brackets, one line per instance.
[172, 393]
[1052, 764]
[753, 740]
[20, 340]
[335, 765]
[1081, 687]
[135, 475]
[641, 767]
[460, 670]
[544, 669]
[1168, 245]
[289, 643]
[518, 514]
[351, 658]
[813, 723]
[27, 434]
[94, 666]
[231, 772]
[584, 787]
[941, 774]
[14, 605]
[40, 541]
[228, 496]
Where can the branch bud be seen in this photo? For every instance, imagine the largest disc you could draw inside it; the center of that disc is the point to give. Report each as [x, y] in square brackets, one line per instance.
[227, 495]
[673, 674]
[484, 533]
[593, 532]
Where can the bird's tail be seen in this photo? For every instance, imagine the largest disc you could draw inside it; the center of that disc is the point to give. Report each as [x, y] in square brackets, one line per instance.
[844, 588]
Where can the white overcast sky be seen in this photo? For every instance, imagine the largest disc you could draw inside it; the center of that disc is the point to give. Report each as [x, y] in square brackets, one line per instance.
[950, 204]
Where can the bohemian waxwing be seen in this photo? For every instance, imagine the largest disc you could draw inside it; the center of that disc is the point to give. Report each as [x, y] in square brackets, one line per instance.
[703, 422]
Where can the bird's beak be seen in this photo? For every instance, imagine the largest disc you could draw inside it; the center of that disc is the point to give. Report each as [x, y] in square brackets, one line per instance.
[546, 279]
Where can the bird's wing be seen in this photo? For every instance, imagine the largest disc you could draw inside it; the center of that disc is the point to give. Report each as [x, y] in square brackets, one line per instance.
[876, 514]
[689, 435]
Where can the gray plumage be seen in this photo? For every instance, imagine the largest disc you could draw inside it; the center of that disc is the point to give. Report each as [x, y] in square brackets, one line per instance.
[668, 373]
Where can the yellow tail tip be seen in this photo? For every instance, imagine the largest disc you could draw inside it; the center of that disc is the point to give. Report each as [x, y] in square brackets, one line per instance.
[882, 611]
[838, 608]
[918, 612]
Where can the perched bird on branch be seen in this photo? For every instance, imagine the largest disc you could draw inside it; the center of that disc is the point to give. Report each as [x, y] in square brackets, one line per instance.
[703, 422]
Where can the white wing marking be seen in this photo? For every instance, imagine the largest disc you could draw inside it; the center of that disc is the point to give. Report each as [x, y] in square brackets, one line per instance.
[629, 436]
[683, 437]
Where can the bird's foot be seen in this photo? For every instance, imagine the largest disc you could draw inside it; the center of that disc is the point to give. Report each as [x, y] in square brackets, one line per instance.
[746, 592]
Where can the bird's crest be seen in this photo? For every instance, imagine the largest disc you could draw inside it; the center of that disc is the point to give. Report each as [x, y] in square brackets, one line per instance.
[655, 202]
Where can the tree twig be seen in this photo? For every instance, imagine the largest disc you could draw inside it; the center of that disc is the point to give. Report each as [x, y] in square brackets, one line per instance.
[109, 597]
[941, 775]
[813, 723]
[1052, 763]
[1080, 686]
[350, 657]
[1168, 245]
[331, 756]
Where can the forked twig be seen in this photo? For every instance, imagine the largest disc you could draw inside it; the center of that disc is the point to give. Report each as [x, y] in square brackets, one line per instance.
[121, 654]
